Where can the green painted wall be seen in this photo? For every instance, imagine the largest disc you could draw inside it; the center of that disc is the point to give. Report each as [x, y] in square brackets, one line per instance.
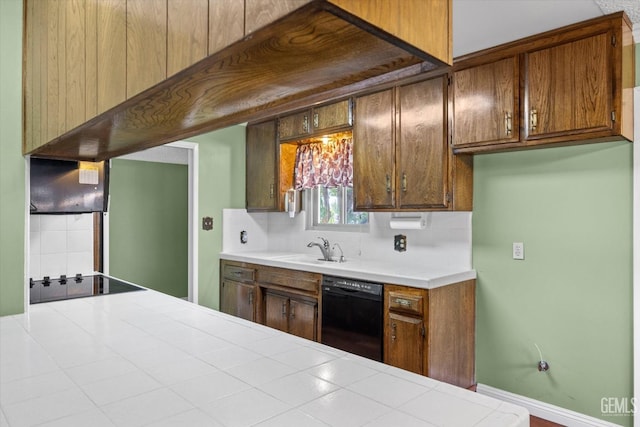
[148, 225]
[572, 295]
[12, 210]
[222, 185]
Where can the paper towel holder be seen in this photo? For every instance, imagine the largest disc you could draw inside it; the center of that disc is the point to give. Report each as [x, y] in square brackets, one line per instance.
[407, 221]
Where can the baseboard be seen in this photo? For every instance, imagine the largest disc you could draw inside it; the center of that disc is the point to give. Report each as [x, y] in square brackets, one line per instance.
[544, 410]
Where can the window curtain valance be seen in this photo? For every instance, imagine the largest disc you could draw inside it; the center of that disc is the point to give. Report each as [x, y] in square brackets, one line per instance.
[327, 164]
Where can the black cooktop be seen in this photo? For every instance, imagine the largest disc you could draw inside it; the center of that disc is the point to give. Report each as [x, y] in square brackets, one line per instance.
[62, 288]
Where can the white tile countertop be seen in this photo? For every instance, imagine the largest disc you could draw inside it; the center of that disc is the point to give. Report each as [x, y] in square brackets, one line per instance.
[145, 358]
[419, 275]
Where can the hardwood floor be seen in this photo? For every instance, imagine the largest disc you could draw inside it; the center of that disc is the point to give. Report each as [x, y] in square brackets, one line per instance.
[539, 422]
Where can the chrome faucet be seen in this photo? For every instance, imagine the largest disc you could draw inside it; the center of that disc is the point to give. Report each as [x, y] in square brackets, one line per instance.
[324, 248]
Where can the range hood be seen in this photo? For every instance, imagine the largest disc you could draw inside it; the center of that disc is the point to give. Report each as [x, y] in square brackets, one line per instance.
[65, 187]
[316, 52]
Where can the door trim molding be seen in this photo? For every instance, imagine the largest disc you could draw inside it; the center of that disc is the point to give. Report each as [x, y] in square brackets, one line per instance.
[193, 212]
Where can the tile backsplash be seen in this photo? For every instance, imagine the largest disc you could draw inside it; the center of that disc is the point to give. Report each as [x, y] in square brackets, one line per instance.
[445, 240]
[61, 244]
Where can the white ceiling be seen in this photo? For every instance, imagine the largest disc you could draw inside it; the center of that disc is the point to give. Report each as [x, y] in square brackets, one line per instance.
[479, 24]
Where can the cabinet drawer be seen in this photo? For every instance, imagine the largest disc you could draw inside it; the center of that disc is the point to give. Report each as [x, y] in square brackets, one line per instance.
[300, 280]
[238, 273]
[398, 301]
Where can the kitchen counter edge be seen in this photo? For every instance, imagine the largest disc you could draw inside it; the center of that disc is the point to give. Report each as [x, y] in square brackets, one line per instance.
[421, 277]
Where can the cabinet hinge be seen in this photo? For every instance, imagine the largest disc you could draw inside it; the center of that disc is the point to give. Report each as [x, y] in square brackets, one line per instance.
[448, 197]
[613, 40]
[422, 331]
[613, 116]
[448, 80]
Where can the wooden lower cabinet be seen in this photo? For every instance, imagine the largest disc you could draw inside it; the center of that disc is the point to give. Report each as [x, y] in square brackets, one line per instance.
[432, 331]
[292, 315]
[280, 298]
[405, 342]
[238, 299]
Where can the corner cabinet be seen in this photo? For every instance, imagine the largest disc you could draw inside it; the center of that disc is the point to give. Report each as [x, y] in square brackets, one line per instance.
[402, 159]
[567, 86]
[262, 193]
[432, 331]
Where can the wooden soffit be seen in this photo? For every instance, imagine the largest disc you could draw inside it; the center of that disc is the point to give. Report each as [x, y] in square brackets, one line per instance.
[314, 50]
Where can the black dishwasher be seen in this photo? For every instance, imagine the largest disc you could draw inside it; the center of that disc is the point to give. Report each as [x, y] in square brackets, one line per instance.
[352, 316]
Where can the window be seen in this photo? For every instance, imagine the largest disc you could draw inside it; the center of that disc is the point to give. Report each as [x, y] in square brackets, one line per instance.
[332, 208]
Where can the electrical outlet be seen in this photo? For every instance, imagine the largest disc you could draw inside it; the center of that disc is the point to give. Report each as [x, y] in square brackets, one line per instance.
[400, 242]
[518, 250]
[207, 223]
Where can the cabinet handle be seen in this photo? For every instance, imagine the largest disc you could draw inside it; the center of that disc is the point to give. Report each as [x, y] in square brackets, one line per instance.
[271, 191]
[316, 120]
[533, 119]
[393, 331]
[292, 310]
[388, 184]
[284, 309]
[403, 302]
[251, 298]
[507, 123]
[305, 123]
[404, 182]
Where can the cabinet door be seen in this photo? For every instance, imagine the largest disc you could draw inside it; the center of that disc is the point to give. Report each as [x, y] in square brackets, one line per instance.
[374, 151]
[276, 309]
[238, 299]
[294, 125]
[303, 318]
[261, 167]
[485, 104]
[568, 88]
[422, 149]
[331, 116]
[404, 342]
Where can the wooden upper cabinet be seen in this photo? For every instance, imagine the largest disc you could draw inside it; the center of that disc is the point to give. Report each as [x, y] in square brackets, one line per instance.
[568, 88]
[486, 103]
[226, 23]
[187, 33]
[75, 67]
[401, 156]
[146, 44]
[424, 24]
[573, 85]
[292, 126]
[422, 170]
[111, 29]
[315, 121]
[259, 13]
[374, 151]
[330, 117]
[261, 167]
